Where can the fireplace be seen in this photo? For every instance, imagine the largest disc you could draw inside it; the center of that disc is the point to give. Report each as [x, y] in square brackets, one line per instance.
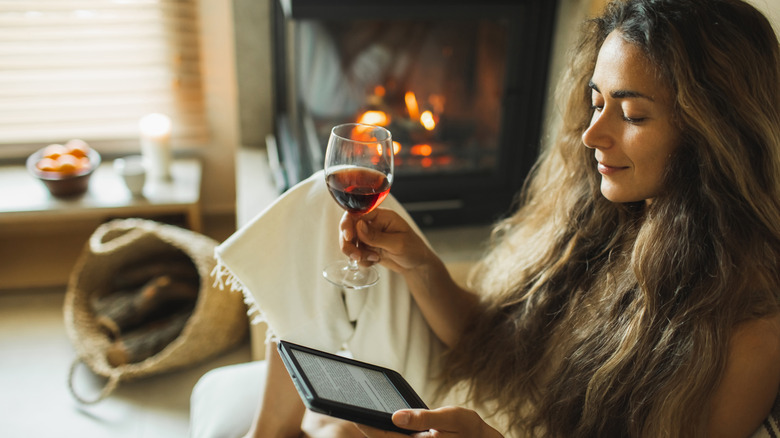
[461, 86]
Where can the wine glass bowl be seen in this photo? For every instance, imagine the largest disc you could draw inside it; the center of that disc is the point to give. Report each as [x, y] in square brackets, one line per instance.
[358, 190]
[358, 173]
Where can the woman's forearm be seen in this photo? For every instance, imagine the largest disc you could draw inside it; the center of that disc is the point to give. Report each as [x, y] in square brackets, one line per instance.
[388, 239]
[447, 307]
[281, 410]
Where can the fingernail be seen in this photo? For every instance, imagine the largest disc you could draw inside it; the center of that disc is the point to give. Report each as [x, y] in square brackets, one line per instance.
[346, 235]
[402, 418]
[355, 256]
[372, 258]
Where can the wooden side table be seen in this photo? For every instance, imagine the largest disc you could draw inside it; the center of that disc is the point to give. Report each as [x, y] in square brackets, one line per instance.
[23, 198]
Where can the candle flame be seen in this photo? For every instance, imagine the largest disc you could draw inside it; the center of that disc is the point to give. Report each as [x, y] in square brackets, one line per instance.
[155, 125]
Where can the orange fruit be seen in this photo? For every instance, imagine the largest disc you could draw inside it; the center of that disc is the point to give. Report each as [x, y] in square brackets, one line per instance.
[48, 165]
[68, 163]
[54, 151]
[77, 147]
[83, 164]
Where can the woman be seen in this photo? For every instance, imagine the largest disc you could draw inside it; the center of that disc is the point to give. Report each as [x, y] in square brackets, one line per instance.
[635, 291]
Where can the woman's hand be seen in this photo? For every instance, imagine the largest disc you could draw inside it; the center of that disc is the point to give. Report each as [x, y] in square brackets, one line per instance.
[442, 422]
[385, 238]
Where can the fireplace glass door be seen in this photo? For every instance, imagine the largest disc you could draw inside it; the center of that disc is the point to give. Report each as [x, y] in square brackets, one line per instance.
[460, 85]
[437, 86]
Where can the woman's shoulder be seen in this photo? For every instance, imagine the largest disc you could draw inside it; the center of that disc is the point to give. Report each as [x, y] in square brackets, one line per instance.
[759, 334]
[754, 350]
[751, 379]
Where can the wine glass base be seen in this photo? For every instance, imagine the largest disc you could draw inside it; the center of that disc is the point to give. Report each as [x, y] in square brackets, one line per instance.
[341, 274]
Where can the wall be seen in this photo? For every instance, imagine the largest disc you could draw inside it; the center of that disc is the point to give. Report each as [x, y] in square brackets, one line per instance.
[770, 8]
[252, 30]
[218, 51]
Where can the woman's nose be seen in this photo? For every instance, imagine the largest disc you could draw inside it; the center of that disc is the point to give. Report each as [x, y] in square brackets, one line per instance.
[596, 136]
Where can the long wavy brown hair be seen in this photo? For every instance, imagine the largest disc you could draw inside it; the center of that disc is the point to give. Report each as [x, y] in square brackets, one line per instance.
[602, 319]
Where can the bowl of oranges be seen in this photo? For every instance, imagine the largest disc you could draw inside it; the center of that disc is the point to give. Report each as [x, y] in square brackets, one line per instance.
[64, 169]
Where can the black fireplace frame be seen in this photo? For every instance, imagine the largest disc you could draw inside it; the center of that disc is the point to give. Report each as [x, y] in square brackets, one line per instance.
[434, 200]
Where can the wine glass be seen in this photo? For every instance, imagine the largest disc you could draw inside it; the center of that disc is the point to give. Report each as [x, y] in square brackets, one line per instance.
[358, 172]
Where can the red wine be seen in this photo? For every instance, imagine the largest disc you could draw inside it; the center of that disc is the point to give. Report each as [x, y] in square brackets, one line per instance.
[358, 189]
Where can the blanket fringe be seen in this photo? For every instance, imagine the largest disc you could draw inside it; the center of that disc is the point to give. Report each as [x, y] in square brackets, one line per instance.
[224, 278]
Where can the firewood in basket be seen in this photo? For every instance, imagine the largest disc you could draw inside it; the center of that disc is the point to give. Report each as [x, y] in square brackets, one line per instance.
[146, 341]
[124, 310]
[136, 275]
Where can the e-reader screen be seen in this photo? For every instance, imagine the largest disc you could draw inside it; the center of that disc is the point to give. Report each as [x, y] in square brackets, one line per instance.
[347, 383]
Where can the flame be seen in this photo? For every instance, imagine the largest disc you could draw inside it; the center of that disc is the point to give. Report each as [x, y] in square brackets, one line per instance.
[444, 160]
[155, 125]
[378, 118]
[363, 133]
[423, 150]
[396, 148]
[428, 121]
[411, 105]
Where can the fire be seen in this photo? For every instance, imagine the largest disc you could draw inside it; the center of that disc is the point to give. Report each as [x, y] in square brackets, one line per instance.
[428, 121]
[423, 150]
[363, 133]
[411, 105]
[396, 148]
[379, 118]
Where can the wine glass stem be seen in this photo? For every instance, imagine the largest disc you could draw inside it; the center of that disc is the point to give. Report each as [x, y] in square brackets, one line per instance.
[353, 264]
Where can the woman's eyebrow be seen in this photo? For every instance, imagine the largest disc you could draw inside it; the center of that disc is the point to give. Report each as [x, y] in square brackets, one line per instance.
[622, 94]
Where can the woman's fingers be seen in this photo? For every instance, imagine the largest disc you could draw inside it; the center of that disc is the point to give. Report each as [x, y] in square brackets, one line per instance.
[446, 422]
[382, 236]
[365, 238]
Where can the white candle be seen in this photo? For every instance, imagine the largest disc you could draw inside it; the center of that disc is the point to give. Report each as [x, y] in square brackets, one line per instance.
[156, 145]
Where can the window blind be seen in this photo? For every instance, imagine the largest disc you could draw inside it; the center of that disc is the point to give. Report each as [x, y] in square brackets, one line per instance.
[91, 69]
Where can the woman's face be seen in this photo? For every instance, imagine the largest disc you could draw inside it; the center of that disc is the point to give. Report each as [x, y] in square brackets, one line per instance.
[631, 131]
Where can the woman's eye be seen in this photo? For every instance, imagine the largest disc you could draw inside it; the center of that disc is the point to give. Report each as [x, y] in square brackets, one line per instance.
[595, 107]
[633, 119]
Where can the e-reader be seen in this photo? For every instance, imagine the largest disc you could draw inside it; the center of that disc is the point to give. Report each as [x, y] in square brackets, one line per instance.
[348, 389]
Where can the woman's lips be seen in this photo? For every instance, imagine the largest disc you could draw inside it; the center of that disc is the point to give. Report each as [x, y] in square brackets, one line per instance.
[609, 170]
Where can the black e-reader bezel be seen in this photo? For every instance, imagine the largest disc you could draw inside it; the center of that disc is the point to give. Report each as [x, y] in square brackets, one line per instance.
[338, 409]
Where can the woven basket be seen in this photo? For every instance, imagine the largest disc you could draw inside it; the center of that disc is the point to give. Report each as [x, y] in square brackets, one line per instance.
[218, 321]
